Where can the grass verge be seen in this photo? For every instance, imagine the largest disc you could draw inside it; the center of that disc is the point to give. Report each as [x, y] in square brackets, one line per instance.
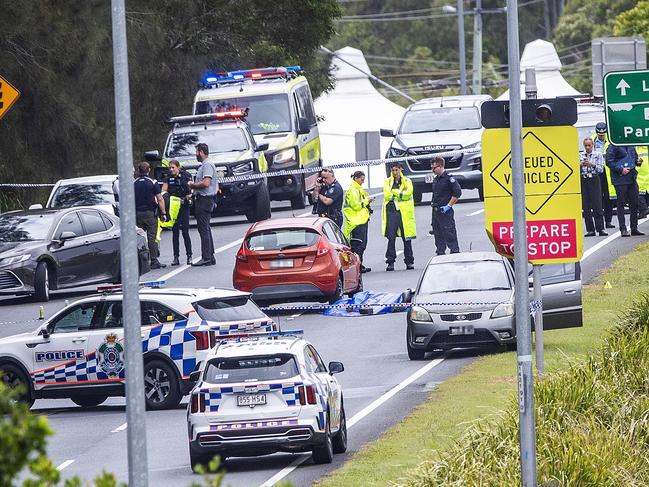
[484, 389]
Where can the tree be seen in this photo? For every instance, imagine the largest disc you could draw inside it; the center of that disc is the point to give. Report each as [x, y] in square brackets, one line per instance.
[634, 22]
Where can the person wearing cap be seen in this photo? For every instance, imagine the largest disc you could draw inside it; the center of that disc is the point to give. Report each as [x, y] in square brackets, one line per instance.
[398, 216]
[356, 210]
[592, 165]
[622, 161]
[600, 144]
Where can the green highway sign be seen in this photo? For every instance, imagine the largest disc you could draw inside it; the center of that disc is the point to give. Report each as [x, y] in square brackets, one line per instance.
[626, 97]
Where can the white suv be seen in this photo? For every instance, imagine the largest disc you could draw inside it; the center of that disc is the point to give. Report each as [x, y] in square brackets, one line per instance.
[79, 352]
[262, 394]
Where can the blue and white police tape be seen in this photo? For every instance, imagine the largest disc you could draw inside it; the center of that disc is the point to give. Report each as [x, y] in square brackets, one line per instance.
[26, 185]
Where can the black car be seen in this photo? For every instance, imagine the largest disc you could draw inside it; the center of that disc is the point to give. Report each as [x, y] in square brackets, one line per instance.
[43, 250]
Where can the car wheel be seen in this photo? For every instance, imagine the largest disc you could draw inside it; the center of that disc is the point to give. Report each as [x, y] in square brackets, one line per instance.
[325, 452]
[88, 401]
[339, 440]
[298, 202]
[161, 388]
[413, 353]
[261, 205]
[339, 291]
[13, 377]
[42, 282]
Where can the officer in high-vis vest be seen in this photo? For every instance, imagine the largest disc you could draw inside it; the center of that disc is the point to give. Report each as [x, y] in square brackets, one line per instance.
[643, 181]
[177, 186]
[356, 210]
[398, 216]
[600, 142]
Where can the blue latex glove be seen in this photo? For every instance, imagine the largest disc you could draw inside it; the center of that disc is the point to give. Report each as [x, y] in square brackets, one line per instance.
[445, 208]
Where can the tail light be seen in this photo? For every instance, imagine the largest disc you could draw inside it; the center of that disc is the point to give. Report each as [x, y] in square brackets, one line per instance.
[242, 255]
[204, 339]
[307, 395]
[323, 248]
[198, 403]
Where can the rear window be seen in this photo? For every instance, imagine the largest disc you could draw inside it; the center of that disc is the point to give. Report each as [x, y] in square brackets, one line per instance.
[290, 238]
[230, 309]
[72, 195]
[251, 369]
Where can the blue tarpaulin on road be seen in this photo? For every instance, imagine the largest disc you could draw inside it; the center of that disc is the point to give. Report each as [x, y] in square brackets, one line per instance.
[366, 298]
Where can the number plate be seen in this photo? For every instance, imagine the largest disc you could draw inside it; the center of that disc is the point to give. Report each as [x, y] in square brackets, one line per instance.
[251, 400]
[461, 330]
[430, 177]
[281, 263]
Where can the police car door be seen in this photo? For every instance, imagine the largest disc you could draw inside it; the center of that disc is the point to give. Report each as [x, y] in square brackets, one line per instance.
[67, 343]
[328, 385]
[106, 339]
[309, 139]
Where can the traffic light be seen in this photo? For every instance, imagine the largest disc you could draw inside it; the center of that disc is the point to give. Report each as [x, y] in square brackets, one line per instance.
[543, 112]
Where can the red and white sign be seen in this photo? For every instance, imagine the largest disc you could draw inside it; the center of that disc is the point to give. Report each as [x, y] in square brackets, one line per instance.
[546, 239]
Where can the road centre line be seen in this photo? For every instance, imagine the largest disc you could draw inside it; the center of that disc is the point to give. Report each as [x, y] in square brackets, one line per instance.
[367, 410]
[65, 464]
[120, 428]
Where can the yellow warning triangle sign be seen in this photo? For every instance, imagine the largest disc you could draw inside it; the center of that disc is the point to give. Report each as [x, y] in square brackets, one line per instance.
[608, 285]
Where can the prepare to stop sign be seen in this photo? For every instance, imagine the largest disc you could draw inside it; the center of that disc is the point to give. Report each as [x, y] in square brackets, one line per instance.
[546, 239]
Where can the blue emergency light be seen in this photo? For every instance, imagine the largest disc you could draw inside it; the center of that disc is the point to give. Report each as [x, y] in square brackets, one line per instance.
[224, 77]
[118, 287]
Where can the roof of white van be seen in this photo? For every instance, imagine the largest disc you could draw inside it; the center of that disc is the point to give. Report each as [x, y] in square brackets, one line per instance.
[248, 88]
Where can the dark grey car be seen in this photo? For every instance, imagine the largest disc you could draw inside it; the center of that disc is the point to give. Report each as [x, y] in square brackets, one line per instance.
[467, 300]
[43, 250]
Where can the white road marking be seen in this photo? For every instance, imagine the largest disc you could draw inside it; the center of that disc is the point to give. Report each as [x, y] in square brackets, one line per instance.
[358, 417]
[120, 428]
[606, 241]
[65, 464]
[476, 212]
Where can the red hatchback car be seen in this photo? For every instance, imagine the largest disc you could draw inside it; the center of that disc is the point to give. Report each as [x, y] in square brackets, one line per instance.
[306, 257]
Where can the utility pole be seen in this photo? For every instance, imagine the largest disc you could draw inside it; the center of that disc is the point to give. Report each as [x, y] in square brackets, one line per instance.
[526, 414]
[136, 432]
[462, 48]
[477, 48]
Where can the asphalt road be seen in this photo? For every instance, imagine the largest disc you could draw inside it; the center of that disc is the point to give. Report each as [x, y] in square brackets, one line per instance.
[381, 386]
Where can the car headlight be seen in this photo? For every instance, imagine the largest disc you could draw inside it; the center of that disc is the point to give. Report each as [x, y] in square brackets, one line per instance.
[15, 259]
[417, 313]
[285, 156]
[475, 145]
[243, 168]
[502, 310]
[396, 152]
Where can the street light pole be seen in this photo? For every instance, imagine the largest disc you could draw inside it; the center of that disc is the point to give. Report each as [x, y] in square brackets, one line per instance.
[460, 35]
[476, 87]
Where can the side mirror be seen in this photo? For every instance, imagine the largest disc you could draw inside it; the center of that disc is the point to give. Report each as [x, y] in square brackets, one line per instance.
[303, 126]
[160, 173]
[152, 156]
[44, 333]
[67, 236]
[386, 133]
[37, 206]
[336, 367]
[406, 296]
[262, 147]
[194, 377]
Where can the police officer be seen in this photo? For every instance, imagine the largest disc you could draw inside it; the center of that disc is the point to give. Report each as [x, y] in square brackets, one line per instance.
[622, 162]
[147, 200]
[398, 216]
[356, 210]
[328, 197]
[446, 192]
[600, 144]
[177, 185]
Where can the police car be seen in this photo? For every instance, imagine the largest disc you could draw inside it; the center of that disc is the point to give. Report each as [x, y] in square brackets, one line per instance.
[261, 394]
[79, 352]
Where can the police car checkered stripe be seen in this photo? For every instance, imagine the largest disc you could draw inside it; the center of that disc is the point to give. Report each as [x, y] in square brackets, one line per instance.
[256, 326]
[81, 370]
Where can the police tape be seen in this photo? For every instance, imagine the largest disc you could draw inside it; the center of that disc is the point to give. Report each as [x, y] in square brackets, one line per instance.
[26, 185]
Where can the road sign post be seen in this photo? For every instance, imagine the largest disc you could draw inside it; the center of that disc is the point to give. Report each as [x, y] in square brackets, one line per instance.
[626, 98]
[8, 96]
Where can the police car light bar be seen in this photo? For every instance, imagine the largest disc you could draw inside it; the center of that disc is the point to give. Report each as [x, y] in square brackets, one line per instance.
[109, 288]
[210, 117]
[252, 74]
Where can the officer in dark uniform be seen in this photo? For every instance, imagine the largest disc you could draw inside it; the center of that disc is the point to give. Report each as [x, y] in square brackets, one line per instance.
[177, 184]
[446, 192]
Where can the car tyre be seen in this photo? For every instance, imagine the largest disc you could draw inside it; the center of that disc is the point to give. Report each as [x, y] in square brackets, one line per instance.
[298, 202]
[13, 377]
[88, 401]
[42, 282]
[413, 353]
[261, 206]
[324, 453]
[161, 387]
[339, 291]
[339, 440]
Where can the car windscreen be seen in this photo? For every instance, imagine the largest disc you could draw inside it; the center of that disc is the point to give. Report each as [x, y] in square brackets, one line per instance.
[282, 239]
[228, 309]
[71, 195]
[266, 113]
[220, 140]
[464, 276]
[24, 228]
[251, 369]
[442, 119]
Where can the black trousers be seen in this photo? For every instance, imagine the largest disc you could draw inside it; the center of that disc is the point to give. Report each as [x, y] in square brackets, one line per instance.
[643, 204]
[148, 222]
[445, 232]
[181, 225]
[591, 204]
[394, 224]
[627, 194]
[360, 232]
[203, 212]
[607, 204]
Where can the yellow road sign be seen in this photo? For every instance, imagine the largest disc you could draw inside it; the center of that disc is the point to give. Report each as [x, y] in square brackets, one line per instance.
[552, 192]
[8, 95]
